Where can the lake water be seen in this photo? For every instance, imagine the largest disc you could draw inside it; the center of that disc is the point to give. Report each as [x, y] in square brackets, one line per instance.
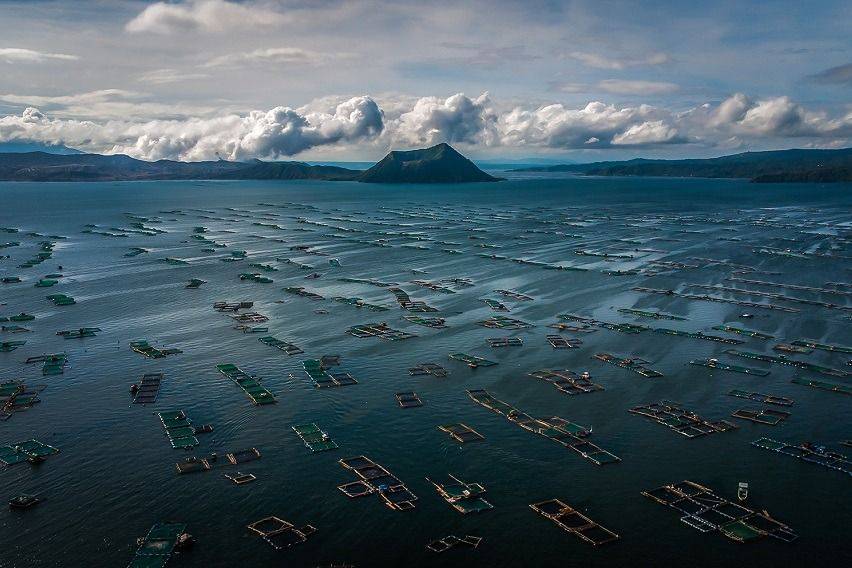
[115, 475]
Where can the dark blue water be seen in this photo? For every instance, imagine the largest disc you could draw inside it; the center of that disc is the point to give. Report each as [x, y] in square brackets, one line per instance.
[115, 475]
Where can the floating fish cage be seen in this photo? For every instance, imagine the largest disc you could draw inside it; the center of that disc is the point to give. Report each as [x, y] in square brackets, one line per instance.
[650, 314]
[504, 322]
[559, 342]
[515, 295]
[631, 328]
[381, 330]
[61, 300]
[408, 399]
[156, 548]
[52, 364]
[285, 346]
[281, 534]
[699, 335]
[428, 369]
[472, 361]
[462, 496]
[705, 511]
[148, 388]
[179, 429]
[760, 397]
[573, 521]
[495, 305]
[373, 478]
[359, 303]
[809, 453]
[681, 420]
[505, 341]
[144, 348]
[79, 333]
[436, 323]
[783, 360]
[314, 438]
[842, 389]
[461, 432]
[762, 415]
[714, 364]
[322, 378]
[635, 364]
[250, 384]
[32, 451]
[567, 381]
[406, 303]
[745, 332]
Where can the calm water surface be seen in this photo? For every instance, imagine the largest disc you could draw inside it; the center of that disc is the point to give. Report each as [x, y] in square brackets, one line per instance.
[115, 475]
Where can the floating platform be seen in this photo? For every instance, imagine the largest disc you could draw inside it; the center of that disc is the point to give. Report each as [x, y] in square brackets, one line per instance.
[258, 394]
[762, 415]
[406, 303]
[179, 429]
[635, 364]
[559, 342]
[281, 534]
[303, 292]
[79, 333]
[9, 346]
[52, 364]
[463, 497]
[764, 398]
[705, 511]
[314, 438]
[408, 399]
[472, 361]
[157, 546]
[148, 388]
[620, 327]
[452, 541]
[381, 330]
[249, 317]
[715, 364]
[195, 283]
[373, 478]
[61, 300]
[32, 451]
[232, 306]
[699, 335]
[789, 348]
[745, 332]
[15, 395]
[504, 322]
[436, 323]
[567, 381]
[505, 341]
[650, 314]
[808, 452]
[241, 478]
[515, 295]
[144, 348]
[569, 519]
[322, 378]
[461, 432]
[286, 347]
[783, 360]
[428, 369]
[684, 422]
[842, 389]
[495, 305]
[359, 303]
[822, 346]
[568, 434]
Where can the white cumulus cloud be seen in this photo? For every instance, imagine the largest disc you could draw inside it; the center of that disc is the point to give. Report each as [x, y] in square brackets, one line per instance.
[21, 55]
[202, 15]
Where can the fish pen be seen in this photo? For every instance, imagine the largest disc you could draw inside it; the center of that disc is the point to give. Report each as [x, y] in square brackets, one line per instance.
[559, 342]
[561, 431]
[461, 432]
[406, 303]
[681, 420]
[822, 346]
[505, 341]
[436, 323]
[381, 330]
[322, 378]
[285, 346]
[760, 397]
[18, 318]
[783, 360]
[496, 305]
[699, 335]
[31, 451]
[745, 332]
[650, 314]
[179, 429]
[452, 541]
[147, 389]
[428, 369]
[472, 361]
[461, 496]
[715, 299]
[301, 291]
[620, 327]
[790, 348]
[13, 329]
[61, 300]
[762, 415]
[249, 317]
[232, 306]
[250, 384]
[144, 348]
[515, 295]
[705, 511]
[52, 364]
[842, 389]
[195, 283]
[314, 438]
[715, 364]
[408, 399]
[373, 478]
[79, 333]
[567, 381]
[281, 534]
[359, 303]
[9, 346]
[635, 364]
[504, 322]
[156, 548]
[15, 395]
[573, 521]
[808, 452]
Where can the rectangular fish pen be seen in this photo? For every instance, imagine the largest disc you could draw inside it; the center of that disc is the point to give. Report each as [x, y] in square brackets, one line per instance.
[179, 429]
[635, 364]
[285, 346]
[408, 399]
[682, 421]
[504, 322]
[822, 385]
[505, 341]
[760, 397]
[148, 388]
[716, 364]
[279, 533]
[322, 378]
[808, 452]
[157, 546]
[561, 431]
[471, 361]
[567, 381]
[381, 330]
[314, 438]
[258, 394]
[762, 415]
[559, 342]
[461, 432]
[144, 348]
[29, 450]
[461, 496]
[573, 521]
[705, 511]
[373, 478]
[428, 369]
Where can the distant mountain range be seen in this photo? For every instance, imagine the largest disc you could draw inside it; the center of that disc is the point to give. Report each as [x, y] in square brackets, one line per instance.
[438, 164]
[760, 167]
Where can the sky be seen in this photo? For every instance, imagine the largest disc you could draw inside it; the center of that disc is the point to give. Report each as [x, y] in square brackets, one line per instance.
[497, 79]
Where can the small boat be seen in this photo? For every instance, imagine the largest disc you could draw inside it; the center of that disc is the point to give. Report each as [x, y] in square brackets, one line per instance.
[746, 316]
[742, 491]
[24, 502]
[134, 388]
